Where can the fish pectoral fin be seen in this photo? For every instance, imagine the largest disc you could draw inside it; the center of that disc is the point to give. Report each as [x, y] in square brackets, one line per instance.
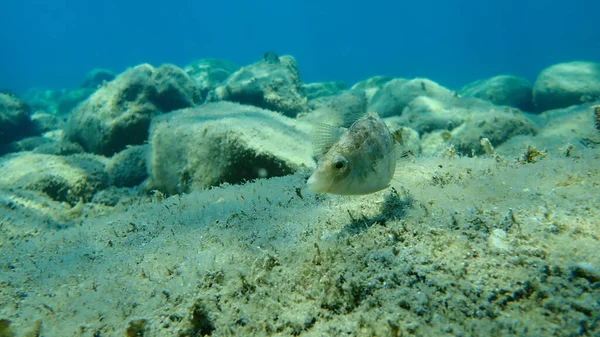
[324, 136]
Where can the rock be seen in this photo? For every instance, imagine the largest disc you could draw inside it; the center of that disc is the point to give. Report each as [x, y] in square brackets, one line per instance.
[15, 120]
[119, 113]
[506, 90]
[200, 147]
[372, 82]
[496, 125]
[349, 103]
[69, 99]
[396, 94]
[56, 102]
[566, 84]
[97, 77]
[66, 179]
[371, 85]
[209, 73]
[44, 122]
[558, 130]
[112, 196]
[42, 99]
[409, 139]
[269, 85]
[322, 89]
[426, 114]
[24, 211]
[128, 167]
[25, 144]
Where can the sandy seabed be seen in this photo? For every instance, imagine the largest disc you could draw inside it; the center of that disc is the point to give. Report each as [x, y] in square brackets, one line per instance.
[487, 246]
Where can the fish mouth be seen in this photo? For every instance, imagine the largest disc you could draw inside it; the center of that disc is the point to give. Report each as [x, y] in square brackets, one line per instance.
[316, 185]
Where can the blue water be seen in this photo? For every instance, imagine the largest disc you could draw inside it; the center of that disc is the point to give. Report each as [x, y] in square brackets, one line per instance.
[54, 43]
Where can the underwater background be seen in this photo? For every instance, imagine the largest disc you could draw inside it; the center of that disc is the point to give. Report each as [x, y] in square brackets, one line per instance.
[52, 44]
[273, 168]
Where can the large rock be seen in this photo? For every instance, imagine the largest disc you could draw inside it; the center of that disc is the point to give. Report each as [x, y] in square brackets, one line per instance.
[15, 120]
[322, 89]
[209, 73]
[566, 84]
[97, 77]
[350, 103]
[56, 102]
[426, 114]
[266, 84]
[463, 122]
[560, 129]
[396, 94]
[128, 167]
[66, 179]
[506, 90]
[496, 125]
[371, 85]
[119, 113]
[222, 142]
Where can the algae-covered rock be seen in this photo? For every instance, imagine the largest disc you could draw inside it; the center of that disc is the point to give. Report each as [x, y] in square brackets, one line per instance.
[559, 130]
[197, 148]
[44, 122]
[97, 77]
[209, 73]
[56, 102]
[396, 94]
[322, 89]
[69, 179]
[426, 114]
[119, 113]
[566, 84]
[15, 120]
[506, 90]
[274, 86]
[372, 82]
[128, 167]
[496, 125]
[349, 103]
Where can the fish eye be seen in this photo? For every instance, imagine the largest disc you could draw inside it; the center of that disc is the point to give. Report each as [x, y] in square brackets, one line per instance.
[339, 164]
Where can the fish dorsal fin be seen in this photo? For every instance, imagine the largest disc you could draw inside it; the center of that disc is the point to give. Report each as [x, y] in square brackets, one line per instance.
[324, 136]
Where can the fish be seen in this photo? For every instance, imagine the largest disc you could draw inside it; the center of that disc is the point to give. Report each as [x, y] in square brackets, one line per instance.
[357, 160]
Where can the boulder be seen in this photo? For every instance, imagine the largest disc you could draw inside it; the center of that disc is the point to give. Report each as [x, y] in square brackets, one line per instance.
[65, 179]
[322, 89]
[15, 122]
[566, 84]
[396, 94]
[426, 114]
[56, 102]
[209, 73]
[128, 167]
[350, 103]
[498, 126]
[119, 113]
[97, 77]
[372, 82]
[274, 86]
[371, 85]
[559, 129]
[223, 142]
[506, 90]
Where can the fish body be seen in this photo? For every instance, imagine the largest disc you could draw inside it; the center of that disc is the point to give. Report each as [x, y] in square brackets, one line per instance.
[354, 161]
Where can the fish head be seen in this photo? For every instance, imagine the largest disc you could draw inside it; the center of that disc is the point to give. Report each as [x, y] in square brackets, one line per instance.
[330, 173]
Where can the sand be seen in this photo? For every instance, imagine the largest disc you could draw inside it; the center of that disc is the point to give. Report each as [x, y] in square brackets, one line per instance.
[484, 246]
